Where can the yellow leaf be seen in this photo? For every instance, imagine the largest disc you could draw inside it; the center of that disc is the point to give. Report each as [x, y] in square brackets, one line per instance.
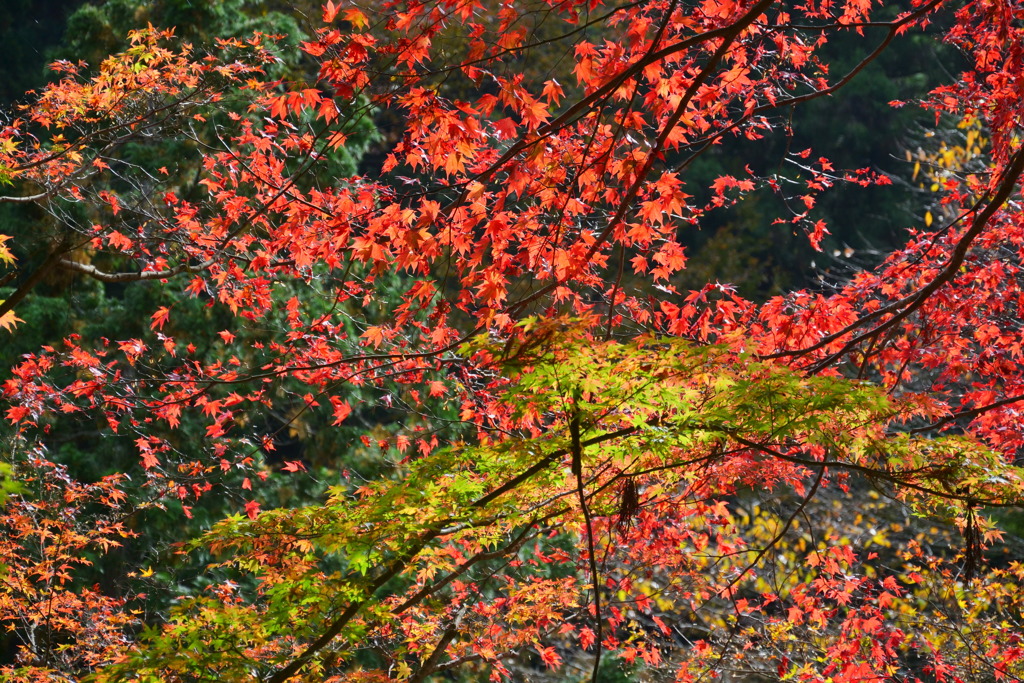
[5, 254]
[8, 320]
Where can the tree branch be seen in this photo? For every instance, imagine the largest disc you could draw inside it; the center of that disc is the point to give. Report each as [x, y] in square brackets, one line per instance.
[97, 274]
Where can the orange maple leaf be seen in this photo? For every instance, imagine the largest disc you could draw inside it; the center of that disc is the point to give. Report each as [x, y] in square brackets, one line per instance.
[8, 320]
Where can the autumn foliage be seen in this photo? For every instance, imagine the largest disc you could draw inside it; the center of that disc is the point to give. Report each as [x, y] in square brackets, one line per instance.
[595, 468]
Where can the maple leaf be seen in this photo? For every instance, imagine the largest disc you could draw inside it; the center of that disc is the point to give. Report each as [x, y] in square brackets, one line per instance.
[149, 459]
[354, 16]
[817, 234]
[505, 128]
[549, 656]
[534, 114]
[5, 253]
[374, 335]
[16, 414]
[587, 638]
[9, 320]
[553, 92]
[330, 11]
[160, 318]
[722, 183]
[341, 409]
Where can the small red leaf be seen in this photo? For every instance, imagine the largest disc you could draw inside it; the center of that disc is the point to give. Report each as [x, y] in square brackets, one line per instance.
[341, 410]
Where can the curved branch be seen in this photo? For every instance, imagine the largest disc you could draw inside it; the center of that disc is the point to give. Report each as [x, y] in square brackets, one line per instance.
[102, 276]
[1007, 184]
[24, 200]
[970, 413]
[728, 35]
[37, 275]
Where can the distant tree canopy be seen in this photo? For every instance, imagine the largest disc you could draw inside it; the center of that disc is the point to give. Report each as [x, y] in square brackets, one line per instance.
[29, 29]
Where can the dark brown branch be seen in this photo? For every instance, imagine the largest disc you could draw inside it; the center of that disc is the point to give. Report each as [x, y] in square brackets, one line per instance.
[893, 26]
[971, 413]
[1006, 186]
[546, 461]
[336, 627]
[804, 502]
[895, 478]
[442, 646]
[32, 280]
[728, 35]
[396, 567]
[482, 556]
